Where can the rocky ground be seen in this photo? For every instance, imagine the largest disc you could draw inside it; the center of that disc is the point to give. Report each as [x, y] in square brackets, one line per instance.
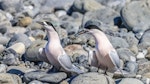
[125, 22]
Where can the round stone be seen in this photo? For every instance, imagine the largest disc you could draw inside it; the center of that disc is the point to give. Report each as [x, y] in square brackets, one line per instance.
[92, 78]
[130, 81]
[25, 21]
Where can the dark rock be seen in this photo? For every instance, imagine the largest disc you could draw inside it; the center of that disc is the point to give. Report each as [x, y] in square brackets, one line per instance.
[3, 29]
[19, 70]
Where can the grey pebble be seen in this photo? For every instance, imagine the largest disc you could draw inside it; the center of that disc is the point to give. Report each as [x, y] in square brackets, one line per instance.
[60, 13]
[12, 6]
[145, 40]
[3, 68]
[4, 40]
[92, 78]
[101, 15]
[20, 38]
[132, 67]
[130, 81]
[70, 27]
[32, 53]
[86, 5]
[138, 21]
[2, 48]
[7, 78]
[118, 42]
[11, 59]
[126, 55]
[53, 77]
[35, 82]
[45, 77]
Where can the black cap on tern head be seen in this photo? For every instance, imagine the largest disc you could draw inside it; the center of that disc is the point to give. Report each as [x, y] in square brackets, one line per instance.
[47, 23]
[92, 24]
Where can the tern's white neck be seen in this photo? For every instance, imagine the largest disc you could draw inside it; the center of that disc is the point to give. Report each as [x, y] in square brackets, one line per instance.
[99, 36]
[53, 36]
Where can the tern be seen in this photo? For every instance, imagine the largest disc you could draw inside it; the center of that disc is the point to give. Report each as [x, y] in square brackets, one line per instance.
[54, 51]
[105, 56]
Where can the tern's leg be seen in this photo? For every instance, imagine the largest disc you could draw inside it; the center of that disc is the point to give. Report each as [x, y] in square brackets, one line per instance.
[65, 62]
[42, 55]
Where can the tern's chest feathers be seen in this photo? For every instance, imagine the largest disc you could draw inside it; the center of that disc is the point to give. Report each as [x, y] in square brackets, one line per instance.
[54, 48]
[104, 46]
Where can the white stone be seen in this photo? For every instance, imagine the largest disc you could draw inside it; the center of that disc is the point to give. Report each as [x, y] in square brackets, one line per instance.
[132, 58]
[60, 13]
[140, 55]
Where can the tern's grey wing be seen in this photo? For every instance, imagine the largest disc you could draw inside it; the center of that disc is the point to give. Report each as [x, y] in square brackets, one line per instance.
[65, 62]
[115, 58]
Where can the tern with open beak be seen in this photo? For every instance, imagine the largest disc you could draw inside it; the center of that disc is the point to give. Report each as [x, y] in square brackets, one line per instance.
[104, 56]
[54, 51]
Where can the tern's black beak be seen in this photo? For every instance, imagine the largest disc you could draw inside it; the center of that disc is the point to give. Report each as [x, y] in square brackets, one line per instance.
[45, 23]
[83, 31]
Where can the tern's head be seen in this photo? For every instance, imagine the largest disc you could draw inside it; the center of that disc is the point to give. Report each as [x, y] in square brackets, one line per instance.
[47, 25]
[91, 26]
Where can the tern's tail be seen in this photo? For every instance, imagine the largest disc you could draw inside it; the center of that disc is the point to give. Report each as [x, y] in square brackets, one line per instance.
[65, 62]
